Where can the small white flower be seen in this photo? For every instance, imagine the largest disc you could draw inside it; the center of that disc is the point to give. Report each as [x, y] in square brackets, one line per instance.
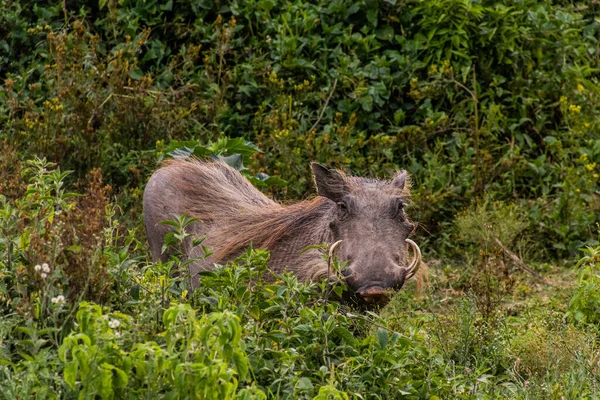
[118, 334]
[44, 275]
[114, 323]
[58, 299]
[46, 268]
[37, 268]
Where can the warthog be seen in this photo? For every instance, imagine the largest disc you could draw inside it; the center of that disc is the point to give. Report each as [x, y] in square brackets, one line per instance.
[366, 215]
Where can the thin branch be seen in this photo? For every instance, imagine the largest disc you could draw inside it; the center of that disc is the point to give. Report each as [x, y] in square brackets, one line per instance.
[372, 322]
[324, 106]
[329, 262]
[465, 88]
[516, 259]
[101, 105]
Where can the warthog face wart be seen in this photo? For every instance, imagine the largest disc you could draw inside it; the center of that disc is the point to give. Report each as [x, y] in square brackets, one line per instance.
[370, 221]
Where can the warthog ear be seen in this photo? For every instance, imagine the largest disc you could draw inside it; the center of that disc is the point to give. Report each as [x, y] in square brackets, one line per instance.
[330, 183]
[399, 181]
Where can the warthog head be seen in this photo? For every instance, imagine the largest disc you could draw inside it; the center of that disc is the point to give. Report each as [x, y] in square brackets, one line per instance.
[370, 230]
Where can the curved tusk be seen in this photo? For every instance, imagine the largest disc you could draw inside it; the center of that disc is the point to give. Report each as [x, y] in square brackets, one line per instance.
[416, 264]
[330, 259]
[333, 247]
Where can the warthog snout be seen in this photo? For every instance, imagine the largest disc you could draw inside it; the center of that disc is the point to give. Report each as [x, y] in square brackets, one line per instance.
[375, 295]
[382, 278]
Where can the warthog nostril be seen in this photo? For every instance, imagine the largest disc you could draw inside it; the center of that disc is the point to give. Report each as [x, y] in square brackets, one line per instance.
[375, 294]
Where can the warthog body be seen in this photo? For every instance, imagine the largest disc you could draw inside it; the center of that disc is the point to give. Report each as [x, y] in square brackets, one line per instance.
[366, 215]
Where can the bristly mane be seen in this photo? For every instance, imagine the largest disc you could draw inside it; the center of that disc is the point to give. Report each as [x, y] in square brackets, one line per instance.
[240, 215]
[265, 228]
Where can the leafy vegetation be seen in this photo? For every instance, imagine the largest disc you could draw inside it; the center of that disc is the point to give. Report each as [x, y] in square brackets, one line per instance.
[492, 107]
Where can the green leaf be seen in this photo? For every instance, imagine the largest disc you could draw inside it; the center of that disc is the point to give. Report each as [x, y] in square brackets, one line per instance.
[300, 62]
[372, 16]
[170, 222]
[383, 337]
[304, 384]
[136, 73]
[134, 292]
[266, 5]
[75, 249]
[399, 116]
[304, 330]
[179, 144]
[339, 290]
[234, 161]
[168, 6]
[366, 103]
[102, 3]
[241, 364]
[345, 335]
[234, 146]
[385, 33]
[431, 34]
[262, 180]
[106, 387]
[201, 151]
[181, 153]
[206, 4]
[121, 378]
[70, 374]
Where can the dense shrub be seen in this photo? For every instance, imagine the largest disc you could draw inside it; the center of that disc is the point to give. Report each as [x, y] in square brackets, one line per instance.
[584, 306]
[470, 97]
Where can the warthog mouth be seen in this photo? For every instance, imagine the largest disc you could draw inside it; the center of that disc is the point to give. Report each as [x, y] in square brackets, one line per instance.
[375, 294]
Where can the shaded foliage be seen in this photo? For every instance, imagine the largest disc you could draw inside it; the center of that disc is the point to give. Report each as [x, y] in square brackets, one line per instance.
[470, 97]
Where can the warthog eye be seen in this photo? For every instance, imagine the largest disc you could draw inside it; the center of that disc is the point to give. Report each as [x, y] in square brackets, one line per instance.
[342, 209]
[398, 208]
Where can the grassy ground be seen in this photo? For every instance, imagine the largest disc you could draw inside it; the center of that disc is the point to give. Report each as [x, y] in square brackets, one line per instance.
[509, 342]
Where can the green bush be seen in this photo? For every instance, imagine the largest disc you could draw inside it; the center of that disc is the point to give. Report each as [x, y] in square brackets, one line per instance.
[540, 351]
[199, 359]
[584, 306]
[470, 97]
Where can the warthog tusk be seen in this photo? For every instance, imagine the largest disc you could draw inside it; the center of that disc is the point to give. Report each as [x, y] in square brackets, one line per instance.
[333, 247]
[326, 274]
[330, 259]
[416, 264]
